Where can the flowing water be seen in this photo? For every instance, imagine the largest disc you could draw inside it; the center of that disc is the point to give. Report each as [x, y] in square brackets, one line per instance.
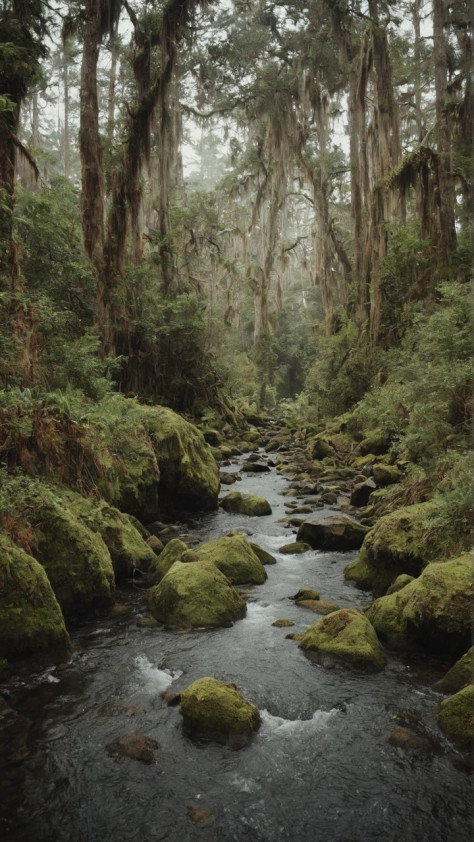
[320, 769]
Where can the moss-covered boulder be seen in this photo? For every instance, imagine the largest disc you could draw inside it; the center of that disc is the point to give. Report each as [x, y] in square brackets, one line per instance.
[264, 556]
[31, 621]
[376, 441]
[233, 556]
[459, 676]
[386, 474]
[76, 559]
[455, 716]
[403, 541]
[432, 612]
[173, 551]
[331, 532]
[195, 595]
[218, 710]
[245, 504]
[295, 548]
[153, 459]
[345, 637]
[128, 549]
[400, 582]
[305, 593]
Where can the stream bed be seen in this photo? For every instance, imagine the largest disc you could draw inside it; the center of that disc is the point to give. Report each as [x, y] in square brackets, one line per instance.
[320, 769]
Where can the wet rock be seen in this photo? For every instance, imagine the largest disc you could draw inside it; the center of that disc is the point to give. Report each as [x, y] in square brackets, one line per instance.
[361, 493]
[233, 556]
[215, 708]
[264, 556]
[319, 606]
[433, 611]
[195, 596]
[280, 624]
[376, 442]
[345, 637]
[171, 699]
[332, 532]
[295, 548]
[255, 467]
[305, 593]
[459, 676]
[455, 716]
[136, 746]
[245, 504]
[227, 478]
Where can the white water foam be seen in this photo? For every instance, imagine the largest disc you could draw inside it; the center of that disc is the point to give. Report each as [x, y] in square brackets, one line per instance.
[153, 679]
[279, 727]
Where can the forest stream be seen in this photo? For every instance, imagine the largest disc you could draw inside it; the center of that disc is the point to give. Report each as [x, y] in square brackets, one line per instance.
[321, 766]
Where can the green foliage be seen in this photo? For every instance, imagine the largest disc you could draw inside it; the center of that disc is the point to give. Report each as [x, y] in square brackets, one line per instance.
[405, 274]
[343, 370]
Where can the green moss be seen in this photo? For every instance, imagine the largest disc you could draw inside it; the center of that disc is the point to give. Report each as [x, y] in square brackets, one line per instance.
[173, 551]
[305, 593]
[295, 548]
[376, 442]
[433, 611]
[233, 556]
[128, 549]
[455, 716]
[399, 583]
[263, 555]
[347, 637]
[214, 707]
[460, 675]
[30, 618]
[386, 474]
[245, 504]
[196, 595]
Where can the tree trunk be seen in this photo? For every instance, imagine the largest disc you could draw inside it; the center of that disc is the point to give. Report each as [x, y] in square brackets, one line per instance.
[443, 136]
[66, 138]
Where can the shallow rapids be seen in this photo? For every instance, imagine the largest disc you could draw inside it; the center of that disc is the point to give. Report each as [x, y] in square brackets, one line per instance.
[320, 769]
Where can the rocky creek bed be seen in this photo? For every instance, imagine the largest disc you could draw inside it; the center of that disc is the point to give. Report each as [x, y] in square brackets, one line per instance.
[98, 748]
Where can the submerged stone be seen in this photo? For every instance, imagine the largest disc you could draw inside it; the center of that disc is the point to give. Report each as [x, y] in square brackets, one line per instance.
[218, 709]
[345, 637]
[136, 746]
[245, 504]
[195, 595]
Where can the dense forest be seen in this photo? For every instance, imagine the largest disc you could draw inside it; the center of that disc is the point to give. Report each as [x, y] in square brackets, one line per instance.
[229, 229]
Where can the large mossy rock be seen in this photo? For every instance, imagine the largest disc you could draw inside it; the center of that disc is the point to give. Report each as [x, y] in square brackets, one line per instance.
[455, 716]
[195, 595]
[76, 559]
[331, 532]
[233, 556]
[217, 709]
[153, 459]
[173, 551]
[31, 621]
[459, 676]
[403, 541]
[433, 612]
[245, 504]
[345, 637]
[128, 549]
